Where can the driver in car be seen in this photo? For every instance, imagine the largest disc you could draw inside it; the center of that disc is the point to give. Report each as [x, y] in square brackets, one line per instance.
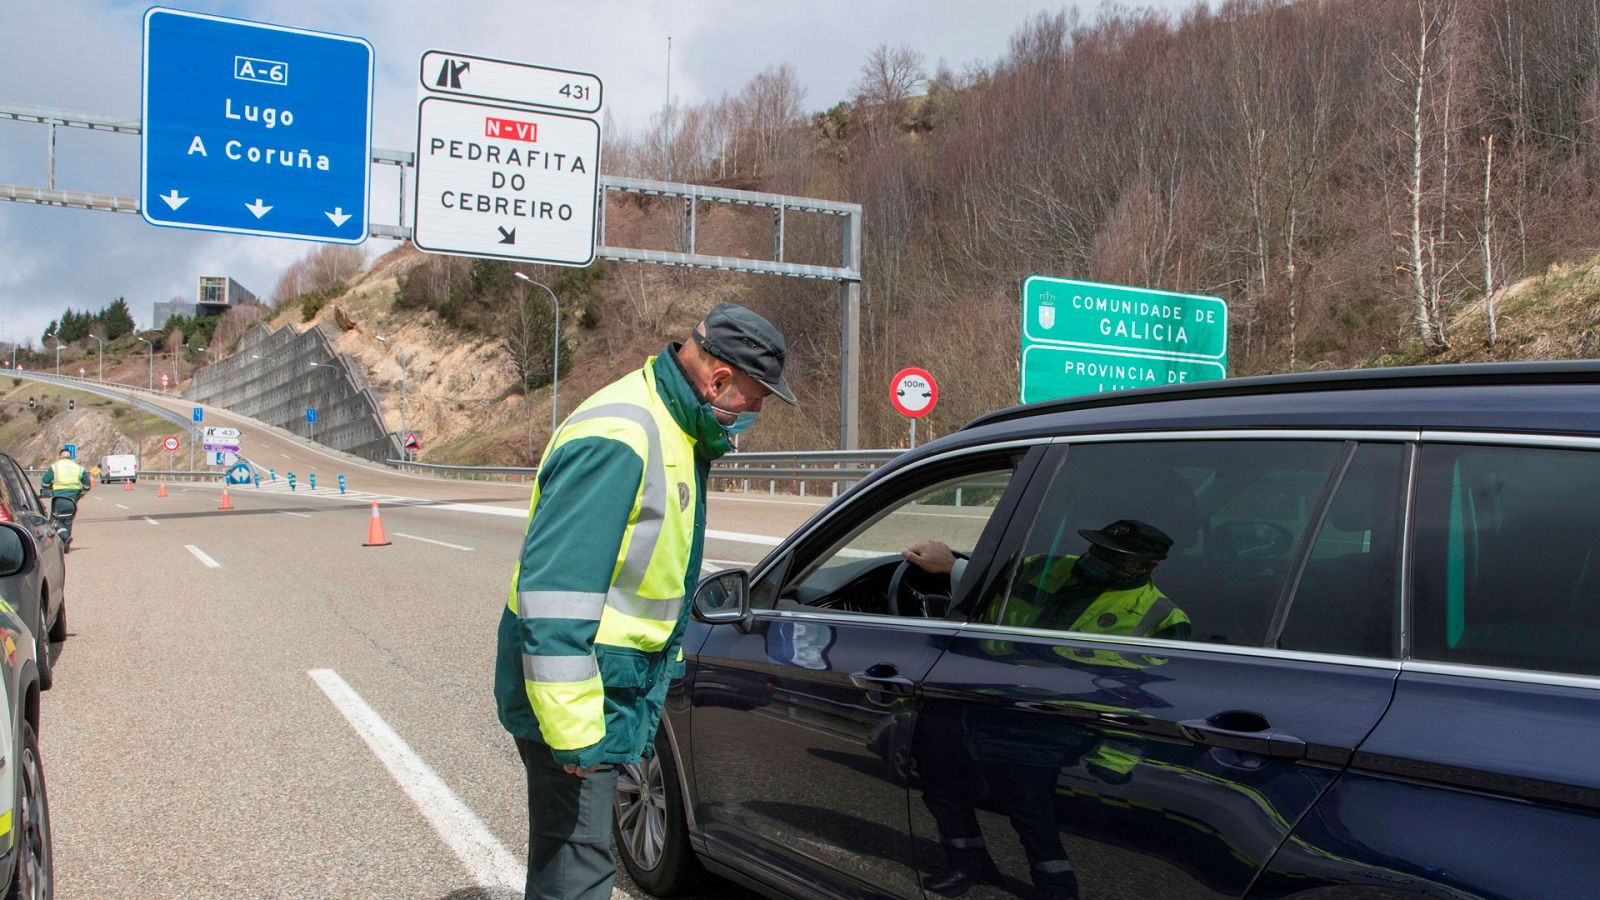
[1107, 590]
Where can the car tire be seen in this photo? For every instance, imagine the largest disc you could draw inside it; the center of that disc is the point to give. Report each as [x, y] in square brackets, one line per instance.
[58, 631]
[652, 826]
[33, 878]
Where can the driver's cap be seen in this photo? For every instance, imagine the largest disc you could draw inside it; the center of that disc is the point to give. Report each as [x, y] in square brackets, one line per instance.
[1132, 537]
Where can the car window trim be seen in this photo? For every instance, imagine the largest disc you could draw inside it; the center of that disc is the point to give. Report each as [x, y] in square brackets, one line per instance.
[849, 503]
[1369, 662]
[944, 626]
[1511, 439]
[1501, 673]
[1396, 435]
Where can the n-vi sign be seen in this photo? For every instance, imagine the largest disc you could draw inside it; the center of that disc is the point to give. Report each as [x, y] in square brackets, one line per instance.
[255, 128]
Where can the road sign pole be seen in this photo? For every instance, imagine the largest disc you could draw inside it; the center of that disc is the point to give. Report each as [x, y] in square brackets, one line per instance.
[913, 434]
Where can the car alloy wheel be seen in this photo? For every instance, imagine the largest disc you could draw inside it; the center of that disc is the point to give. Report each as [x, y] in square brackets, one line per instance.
[642, 811]
[35, 877]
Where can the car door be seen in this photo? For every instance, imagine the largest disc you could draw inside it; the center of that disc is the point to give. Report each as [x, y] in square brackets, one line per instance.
[32, 515]
[1497, 710]
[1064, 755]
[802, 720]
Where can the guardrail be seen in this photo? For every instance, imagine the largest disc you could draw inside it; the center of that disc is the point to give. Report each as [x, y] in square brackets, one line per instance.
[799, 472]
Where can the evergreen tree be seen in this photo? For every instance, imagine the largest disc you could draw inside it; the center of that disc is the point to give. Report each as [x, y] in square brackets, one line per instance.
[117, 319]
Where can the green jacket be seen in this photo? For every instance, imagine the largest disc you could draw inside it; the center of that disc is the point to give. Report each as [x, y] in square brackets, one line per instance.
[592, 629]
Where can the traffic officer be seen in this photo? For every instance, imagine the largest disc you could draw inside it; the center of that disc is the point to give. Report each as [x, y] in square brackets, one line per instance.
[591, 632]
[65, 478]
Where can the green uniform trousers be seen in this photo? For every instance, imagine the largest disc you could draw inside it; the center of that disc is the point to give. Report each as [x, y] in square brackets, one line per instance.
[569, 828]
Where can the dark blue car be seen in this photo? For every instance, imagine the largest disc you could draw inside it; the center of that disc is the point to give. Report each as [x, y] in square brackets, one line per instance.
[1365, 664]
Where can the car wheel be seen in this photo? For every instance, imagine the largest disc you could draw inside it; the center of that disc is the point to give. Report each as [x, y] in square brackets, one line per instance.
[35, 874]
[652, 828]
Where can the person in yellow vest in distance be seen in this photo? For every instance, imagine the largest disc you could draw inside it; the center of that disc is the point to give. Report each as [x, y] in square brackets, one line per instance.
[65, 478]
[1109, 589]
[591, 634]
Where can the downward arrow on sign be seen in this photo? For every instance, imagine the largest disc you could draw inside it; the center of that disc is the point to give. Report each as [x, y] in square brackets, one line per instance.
[258, 208]
[172, 198]
[338, 216]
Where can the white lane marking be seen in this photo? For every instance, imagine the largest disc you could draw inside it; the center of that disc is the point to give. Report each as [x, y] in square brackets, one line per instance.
[300, 515]
[284, 455]
[743, 538]
[413, 537]
[815, 504]
[151, 521]
[120, 506]
[716, 565]
[486, 860]
[201, 555]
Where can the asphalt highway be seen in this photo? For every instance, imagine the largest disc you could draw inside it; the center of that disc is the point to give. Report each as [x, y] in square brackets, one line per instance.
[253, 704]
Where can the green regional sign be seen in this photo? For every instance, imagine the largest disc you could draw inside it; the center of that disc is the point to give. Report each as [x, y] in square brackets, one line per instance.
[1123, 319]
[1050, 372]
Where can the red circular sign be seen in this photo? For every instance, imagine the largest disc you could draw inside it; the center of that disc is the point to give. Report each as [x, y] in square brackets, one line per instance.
[913, 392]
[171, 443]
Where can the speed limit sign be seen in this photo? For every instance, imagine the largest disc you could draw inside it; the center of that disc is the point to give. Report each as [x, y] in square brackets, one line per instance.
[171, 443]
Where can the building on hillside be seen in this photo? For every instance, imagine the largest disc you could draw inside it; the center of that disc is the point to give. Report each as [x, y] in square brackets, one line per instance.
[215, 295]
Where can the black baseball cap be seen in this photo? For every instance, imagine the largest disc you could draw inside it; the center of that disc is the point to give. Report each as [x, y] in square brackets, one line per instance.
[743, 339]
[1132, 537]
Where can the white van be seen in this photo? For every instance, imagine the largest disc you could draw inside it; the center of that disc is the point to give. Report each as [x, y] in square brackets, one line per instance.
[119, 467]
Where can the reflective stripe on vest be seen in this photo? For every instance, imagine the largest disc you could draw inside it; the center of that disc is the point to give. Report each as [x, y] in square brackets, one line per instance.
[66, 475]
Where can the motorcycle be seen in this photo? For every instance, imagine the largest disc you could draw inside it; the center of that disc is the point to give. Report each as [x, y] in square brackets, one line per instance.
[62, 512]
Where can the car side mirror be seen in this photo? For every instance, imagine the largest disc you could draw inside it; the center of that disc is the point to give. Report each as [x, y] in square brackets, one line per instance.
[723, 598]
[17, 555]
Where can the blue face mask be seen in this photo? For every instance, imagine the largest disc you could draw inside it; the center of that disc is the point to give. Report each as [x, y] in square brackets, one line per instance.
[741, 422]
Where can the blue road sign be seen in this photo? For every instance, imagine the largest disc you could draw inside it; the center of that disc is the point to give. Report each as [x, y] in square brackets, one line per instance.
[311, 414]
[72, 450]
[199, 414]
[255, 128]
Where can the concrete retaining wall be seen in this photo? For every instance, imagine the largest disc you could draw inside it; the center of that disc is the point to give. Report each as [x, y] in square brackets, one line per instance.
[270, 377]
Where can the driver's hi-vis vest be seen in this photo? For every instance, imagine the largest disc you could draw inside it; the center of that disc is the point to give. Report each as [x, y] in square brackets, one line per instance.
[66, 475]
[597, 604]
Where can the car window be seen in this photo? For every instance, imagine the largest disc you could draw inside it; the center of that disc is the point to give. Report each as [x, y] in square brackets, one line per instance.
[856, 572]
[18, 490]
[1507, 544]
[1346, 600]
[1220, 521]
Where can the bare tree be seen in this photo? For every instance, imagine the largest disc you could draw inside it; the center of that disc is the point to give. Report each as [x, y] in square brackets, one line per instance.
[1488, 237]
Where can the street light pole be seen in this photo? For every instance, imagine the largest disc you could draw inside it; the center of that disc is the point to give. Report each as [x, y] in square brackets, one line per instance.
[102, 356]
[555, 368]
[405, 375]
[152, 359]
[58, 357]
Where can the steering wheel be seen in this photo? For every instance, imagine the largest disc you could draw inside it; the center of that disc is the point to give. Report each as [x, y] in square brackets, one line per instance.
[896, 582]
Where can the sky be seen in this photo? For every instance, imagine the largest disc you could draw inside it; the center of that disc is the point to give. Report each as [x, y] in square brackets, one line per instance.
[85, 55]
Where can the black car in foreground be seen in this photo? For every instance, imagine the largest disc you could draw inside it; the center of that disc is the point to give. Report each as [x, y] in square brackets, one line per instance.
[1374, 669]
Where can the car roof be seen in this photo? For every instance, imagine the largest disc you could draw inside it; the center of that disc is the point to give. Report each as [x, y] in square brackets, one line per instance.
[1544, 397]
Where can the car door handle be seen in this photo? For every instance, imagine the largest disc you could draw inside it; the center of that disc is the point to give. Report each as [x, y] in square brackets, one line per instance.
[883, 678]
[1244, 731]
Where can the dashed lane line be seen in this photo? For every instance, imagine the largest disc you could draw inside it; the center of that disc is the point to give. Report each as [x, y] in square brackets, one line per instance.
[152, 521]
[486, 859]
[298, 515]
[120, 506]
[412, 537]
[201, 555]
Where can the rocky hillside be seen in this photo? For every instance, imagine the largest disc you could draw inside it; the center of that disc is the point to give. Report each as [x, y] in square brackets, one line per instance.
[98, 426]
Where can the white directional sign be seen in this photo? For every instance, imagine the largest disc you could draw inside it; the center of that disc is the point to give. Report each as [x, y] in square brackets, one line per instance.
[215, 439]
[509, 82]
[221, 458]
[506, 182]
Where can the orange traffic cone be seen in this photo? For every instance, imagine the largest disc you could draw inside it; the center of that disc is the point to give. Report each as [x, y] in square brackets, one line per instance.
[127, 485]
[375, 535]
[226, 503]
[163, 491]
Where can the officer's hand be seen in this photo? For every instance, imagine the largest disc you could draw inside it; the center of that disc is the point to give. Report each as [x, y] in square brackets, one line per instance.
[581, 773]
[931, 556]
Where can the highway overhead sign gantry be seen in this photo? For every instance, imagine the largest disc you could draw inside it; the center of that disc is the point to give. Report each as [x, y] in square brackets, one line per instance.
[499, 80]
[255, 128]
[505, 181]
